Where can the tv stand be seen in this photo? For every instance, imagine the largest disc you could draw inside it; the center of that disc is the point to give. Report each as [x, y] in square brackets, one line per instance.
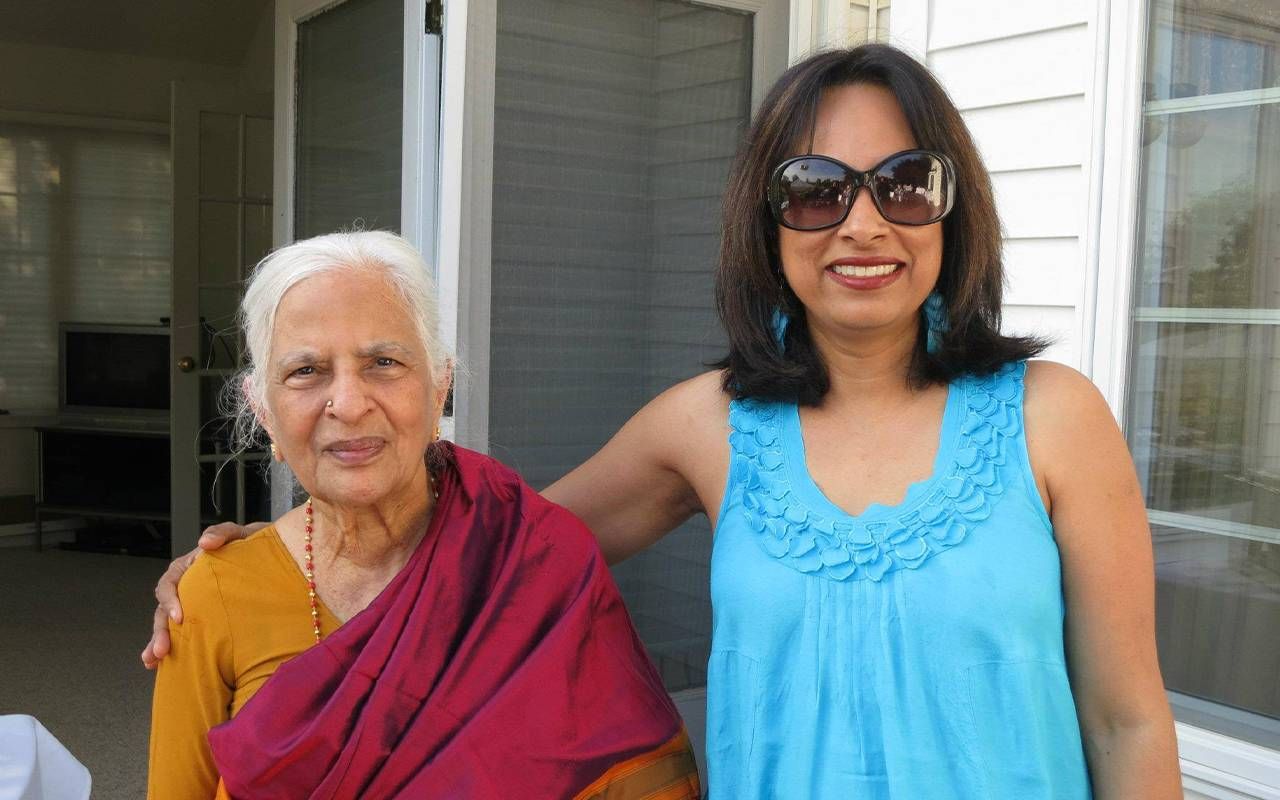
[112, 468]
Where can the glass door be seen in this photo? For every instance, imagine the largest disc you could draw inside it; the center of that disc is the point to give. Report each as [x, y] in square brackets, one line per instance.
[222, 207]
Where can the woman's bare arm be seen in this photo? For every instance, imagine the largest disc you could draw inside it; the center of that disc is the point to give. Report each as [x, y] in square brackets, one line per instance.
[1100, 524]
[663, 467]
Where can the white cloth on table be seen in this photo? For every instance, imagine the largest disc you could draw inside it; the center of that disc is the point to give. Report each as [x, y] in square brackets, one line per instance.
[35, 766]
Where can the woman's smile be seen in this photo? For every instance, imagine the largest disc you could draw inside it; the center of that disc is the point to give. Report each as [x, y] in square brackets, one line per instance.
[355, 452]
[865, 273]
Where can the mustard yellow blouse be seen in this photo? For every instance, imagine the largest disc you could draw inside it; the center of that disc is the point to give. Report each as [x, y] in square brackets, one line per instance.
[245, 612]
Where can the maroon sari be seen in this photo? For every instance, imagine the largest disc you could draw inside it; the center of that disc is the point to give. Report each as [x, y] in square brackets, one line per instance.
[499, 663]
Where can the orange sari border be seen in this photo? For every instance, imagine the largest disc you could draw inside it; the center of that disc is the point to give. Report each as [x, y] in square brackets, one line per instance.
[668, 772]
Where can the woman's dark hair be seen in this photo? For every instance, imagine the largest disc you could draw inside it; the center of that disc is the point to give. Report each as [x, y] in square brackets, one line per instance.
[749, 288]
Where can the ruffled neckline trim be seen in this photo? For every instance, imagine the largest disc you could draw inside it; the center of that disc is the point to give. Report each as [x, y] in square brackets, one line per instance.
[796, 524]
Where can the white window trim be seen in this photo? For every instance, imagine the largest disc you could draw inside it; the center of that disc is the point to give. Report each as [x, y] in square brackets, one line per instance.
[1209, 102]
[465, 242]
[465, 204]
[1212, 764]
[1217, 527]
[1113, 199]
[1222, 767]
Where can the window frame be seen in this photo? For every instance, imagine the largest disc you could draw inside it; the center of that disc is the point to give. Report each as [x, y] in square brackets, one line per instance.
[1213, 764]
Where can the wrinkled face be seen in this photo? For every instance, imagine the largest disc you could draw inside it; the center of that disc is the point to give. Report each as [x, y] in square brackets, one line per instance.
[865, 274]
[346, 337]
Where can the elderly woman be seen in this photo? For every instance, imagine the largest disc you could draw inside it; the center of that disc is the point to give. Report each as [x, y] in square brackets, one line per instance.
[423, 625]
[932, 574]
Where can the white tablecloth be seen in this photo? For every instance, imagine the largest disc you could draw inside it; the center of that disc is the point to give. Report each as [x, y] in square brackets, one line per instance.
[35, 766]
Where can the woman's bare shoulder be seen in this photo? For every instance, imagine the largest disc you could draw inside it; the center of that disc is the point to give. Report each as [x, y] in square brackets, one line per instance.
[1070, 429]
[700, 400]
[1059, 398]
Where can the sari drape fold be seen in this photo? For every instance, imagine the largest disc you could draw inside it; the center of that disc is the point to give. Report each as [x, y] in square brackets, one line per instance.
[500, 662]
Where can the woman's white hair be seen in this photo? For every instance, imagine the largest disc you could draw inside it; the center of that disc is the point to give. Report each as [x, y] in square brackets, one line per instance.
[379, 251]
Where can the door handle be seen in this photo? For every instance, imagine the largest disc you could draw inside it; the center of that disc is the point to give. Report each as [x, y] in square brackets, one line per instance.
[186, 363]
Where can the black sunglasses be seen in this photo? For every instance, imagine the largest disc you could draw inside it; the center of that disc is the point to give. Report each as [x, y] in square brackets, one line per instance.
[914, 187]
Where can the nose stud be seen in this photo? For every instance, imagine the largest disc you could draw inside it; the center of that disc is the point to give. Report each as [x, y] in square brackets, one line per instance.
[328, 404]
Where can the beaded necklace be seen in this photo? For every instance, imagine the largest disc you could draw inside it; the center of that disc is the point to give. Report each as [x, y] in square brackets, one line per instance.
[311, 575]
[308, 568]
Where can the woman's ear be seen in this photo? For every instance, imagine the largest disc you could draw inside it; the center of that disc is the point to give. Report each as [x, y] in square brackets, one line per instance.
[259, 412]
[443, 385]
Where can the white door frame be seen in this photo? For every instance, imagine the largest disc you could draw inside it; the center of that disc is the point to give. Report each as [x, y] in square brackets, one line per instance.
[420, 136]
[466, 184]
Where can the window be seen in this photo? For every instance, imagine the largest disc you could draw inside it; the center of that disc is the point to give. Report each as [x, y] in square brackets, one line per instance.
[1203, 414]
[84, 237]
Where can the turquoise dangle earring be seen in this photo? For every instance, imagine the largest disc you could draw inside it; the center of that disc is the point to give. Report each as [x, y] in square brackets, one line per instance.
[781, 319]
[935, 320]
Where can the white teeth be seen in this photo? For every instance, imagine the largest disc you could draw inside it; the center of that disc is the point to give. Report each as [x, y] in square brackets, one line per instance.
[875, 271]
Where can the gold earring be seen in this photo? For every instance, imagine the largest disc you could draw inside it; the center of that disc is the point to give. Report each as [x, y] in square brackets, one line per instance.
[275, 452]
[437, 432]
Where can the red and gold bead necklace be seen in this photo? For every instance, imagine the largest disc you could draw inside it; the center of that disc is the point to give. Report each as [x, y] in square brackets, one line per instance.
[309, 568]
[311, 576]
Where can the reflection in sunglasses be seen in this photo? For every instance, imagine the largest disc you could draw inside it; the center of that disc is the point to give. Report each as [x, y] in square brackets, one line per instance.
[815, 192]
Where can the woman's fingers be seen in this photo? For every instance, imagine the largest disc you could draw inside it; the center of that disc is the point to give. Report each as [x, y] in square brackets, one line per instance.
[216, 536]
[167, 588]
[158, 647]
[168, 606]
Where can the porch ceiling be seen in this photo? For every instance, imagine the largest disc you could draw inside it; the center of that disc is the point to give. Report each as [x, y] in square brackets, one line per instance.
[207, 31]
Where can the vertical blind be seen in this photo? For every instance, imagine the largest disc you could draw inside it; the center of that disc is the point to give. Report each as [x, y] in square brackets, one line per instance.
[84, 237]
[615, 123]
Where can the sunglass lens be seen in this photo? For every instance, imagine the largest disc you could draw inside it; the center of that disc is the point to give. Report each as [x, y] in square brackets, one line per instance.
[813, 193]
[914, 189]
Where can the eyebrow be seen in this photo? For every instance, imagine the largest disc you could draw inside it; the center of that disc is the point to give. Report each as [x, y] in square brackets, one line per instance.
[295, 356]
[381, 348]
[368, 351]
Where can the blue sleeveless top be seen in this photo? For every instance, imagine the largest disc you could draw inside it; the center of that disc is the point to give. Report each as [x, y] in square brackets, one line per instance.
[913, 651]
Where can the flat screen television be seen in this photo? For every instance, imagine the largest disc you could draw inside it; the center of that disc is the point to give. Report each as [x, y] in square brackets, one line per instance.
[113, 369]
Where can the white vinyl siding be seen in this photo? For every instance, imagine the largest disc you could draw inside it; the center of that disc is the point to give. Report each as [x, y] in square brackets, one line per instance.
[1021, 78]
